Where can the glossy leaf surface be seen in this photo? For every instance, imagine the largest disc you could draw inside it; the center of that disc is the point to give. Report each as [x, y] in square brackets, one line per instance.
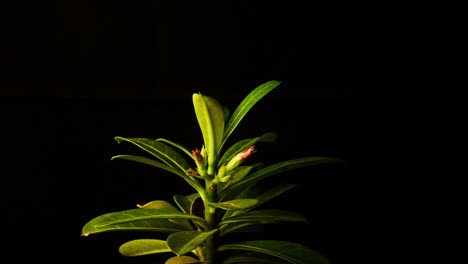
[287, 251]
[249, 101]
[160, 165]
[150, 162]
[142, 247]
[185, 241]
[138, 219]
[160, 204]
[239, 204]
[266, 216]
[162, 151]
[182, 148]
[210, 116]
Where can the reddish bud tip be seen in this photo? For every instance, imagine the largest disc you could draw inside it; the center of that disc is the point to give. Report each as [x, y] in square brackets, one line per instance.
[246, 153]
[196, 154]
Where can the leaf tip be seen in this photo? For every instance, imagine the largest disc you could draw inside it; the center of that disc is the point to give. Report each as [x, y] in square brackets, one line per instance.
[85, 234]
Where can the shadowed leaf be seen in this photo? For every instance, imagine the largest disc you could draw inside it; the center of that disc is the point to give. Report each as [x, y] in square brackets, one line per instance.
[288, 251]
[267, 216]
[278, 168]
[263, 196]
[185, 241]
[185, 202]
[236, 204]
[252, 258]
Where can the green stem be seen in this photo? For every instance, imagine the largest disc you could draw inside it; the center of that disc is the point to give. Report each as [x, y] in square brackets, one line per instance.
[210, 217]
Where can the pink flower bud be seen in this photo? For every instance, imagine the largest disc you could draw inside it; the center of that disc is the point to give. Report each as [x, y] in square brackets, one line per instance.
[197, 155]
[239, 158]
[246, 153]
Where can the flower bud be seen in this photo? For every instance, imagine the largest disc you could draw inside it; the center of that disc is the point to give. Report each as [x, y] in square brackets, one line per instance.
[239, 158]
[197, 155]
[200, 161]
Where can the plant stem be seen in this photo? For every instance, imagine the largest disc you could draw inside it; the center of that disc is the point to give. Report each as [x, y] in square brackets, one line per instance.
[210, 217]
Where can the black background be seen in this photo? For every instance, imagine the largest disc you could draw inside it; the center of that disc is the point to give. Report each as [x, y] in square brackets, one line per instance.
[357, 83]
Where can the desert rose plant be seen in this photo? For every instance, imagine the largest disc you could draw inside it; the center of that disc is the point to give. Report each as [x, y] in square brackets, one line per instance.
[227, 195]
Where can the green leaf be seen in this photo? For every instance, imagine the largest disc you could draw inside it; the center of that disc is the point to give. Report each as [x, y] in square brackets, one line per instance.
[238, 174]
[153, 225]
[217, 114]
[268, 216]
[242, 227]
[252, 258]
[210, 116]
[160, 165]
[249, 101]
[278, 168]
[160, 204]
[239, 204]
[182, 260]
[227, 113]
[257, 192]
[182, 148]
[162, 151]
[185, 241]
[287, 251]
[138, 219]
[185, 202]
[142, 247]
[150, 162]
[243, 145]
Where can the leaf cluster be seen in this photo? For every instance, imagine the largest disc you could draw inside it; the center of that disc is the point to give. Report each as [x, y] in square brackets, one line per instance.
[226, 199]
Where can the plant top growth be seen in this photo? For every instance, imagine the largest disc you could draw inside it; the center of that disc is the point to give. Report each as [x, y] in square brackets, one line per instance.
[227, 195]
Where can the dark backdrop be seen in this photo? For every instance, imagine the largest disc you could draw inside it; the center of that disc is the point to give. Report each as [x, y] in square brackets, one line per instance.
[357, 85]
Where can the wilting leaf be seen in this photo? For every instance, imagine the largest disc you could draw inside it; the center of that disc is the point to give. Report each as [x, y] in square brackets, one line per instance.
[142, 247]
[236, 204]
[249, 101]
[185, 241]
[287, 251]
